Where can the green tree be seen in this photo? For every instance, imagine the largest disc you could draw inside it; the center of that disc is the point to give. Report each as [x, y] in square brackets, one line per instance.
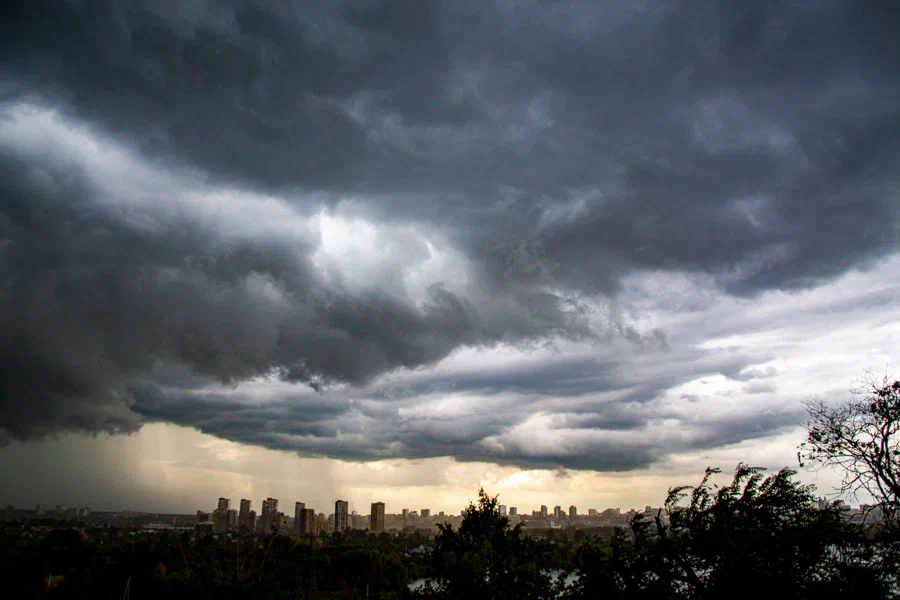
[758, 535]
[486, 558]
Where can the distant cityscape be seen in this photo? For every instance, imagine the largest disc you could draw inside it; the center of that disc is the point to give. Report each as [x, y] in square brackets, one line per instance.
[305, 520]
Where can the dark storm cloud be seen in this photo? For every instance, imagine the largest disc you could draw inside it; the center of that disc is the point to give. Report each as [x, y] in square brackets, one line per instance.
[91, 301]
[557, 147]
[476, 417]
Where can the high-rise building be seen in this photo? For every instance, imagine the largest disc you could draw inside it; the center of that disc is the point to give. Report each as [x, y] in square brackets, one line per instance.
[299, 513]
[573, 512]
[502, 509]
[544, 512]
[310, 522]
[557, 512]
[405, 514]
[376, 517]
[513, 511]
[340, 515]
[84, 512]
[267, 519]
[592, 512]
[221, 514]
[244, 523]
[60, 510]
[40, 510]
[426, 512]
[232, 520]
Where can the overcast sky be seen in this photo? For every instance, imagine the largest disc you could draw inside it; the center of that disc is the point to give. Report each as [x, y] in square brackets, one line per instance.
[571, 251]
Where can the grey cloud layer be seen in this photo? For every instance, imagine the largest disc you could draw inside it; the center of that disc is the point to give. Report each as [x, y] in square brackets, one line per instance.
[549, 416]
[556, 147]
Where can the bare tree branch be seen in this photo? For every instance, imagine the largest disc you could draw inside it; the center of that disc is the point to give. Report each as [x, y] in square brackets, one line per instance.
[859, 437]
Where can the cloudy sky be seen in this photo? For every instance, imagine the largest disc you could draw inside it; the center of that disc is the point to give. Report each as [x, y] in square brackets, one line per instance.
[394, 250]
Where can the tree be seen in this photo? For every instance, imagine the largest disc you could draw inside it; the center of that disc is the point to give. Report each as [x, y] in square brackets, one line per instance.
[758, 535]
[486, 558]
[860, 438]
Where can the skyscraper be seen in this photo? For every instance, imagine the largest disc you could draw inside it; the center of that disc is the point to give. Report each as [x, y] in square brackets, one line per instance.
[244, 515]
[426, 512]
[40, 510]
[502, 509]
[340, 515]
[376, 517]
[60, 510]
[544, 512]
[572, 512]
[310, 522]
[513, 511]
[405, 515]
[557, 512]
[267, 518]
[299, 514]
[221, 514]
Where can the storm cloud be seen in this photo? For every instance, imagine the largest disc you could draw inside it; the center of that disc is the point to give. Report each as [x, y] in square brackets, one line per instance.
[250, 219]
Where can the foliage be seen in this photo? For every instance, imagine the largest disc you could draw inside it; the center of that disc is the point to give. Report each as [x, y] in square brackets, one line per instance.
[486, 558]
[757, 535]
[100, 565]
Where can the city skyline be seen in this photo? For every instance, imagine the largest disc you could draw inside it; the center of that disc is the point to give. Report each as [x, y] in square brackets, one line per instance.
[270, 504]
[303, 519]
[571, 252]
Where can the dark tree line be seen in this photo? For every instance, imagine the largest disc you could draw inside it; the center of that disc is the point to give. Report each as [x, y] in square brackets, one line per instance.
[176, 566]
[756, 536]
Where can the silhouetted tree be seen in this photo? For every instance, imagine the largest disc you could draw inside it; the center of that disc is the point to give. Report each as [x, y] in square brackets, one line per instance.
[757, 536]
[486, 558]
[861, 438]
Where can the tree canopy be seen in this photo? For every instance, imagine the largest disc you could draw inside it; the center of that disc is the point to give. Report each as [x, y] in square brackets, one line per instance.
[757, 535]
[486, 558]
[860, 437]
